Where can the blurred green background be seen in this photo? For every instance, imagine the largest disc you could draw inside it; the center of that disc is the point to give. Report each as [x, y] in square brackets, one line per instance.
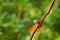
[16, 16]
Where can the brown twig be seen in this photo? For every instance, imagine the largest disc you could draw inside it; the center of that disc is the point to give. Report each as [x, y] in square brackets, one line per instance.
[42, 19]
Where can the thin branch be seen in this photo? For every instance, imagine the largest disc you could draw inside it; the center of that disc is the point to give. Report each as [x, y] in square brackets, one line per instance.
[48, 11]
[42, 19]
